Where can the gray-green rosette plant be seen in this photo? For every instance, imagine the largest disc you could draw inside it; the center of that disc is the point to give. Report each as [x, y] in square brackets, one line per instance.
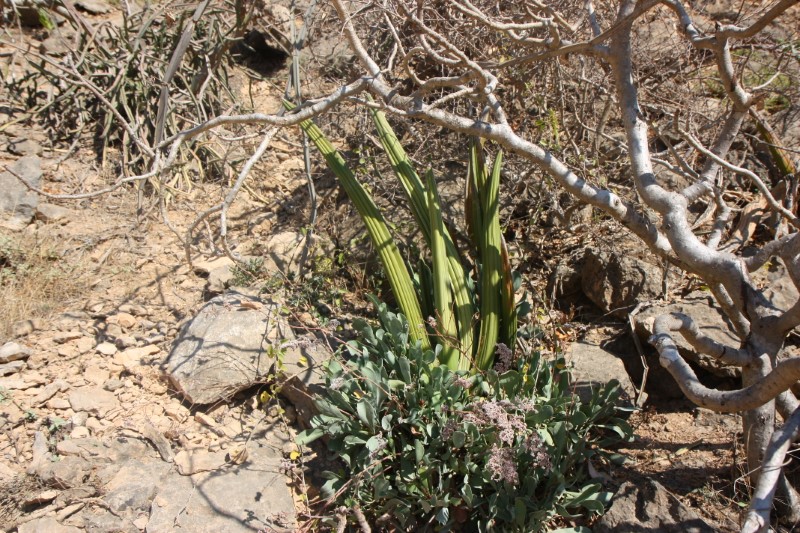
[425, 447]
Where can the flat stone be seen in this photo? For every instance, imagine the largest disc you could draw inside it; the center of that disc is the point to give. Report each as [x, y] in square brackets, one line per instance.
[253, 495]
[12, 351]
[134, 486]
[594, 367]
[79, 433]
[20, 328]
[133, 357]
[134, 309]
[24, 147]
[93, 400]
[648, 506]
[96, 375]
[95, 7]
[226, 347]
[51, 213]
[12, 368]
[126, 341]
[29, 381]
[190, 463]
[65, 336]
[84, 344]
[69, 472]
[123, 320]
[49, 391]
[113, 384]
[48, 524]
[106, 348]
[58, 404]
[16, 199]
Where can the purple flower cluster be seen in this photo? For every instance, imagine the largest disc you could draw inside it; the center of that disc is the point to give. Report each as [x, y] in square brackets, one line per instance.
[509, 424]
[502, 466]
[463, 381]
[535, 447]
[503, 358]
[448, 429]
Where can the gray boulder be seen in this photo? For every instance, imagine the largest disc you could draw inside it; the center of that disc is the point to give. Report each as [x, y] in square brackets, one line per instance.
[648, 506]
[616, 282]
[17, 202]
[232, 344]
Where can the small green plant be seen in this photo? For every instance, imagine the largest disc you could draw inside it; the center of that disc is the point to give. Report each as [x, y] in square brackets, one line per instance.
[445, 289]
[247, 272]
[428, 448]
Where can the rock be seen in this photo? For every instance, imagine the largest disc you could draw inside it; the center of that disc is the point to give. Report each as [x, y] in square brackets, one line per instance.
[40, 451]
[123, 320]
[106, 523]
[700, 306]
[84, 344]
[47, 524]
[79, 433]
[106, 348]
[24, 147]
[226, 347]
[285, 250]
[11, 351]
[50, 213]
[134, 486]
[94, 7]
[113, 384]
[65, 336]
[49, 391]
[190, 463]
[594, 366]
[252, 495]
[302, 369]
[648, 506]
[20, 328]
[126, 341]
[68, 351]
[16, 200]
[42, 497]
[69, 472]
[134, 357]
[616, 282]
[134, 309]
[30, 380]
[58, 404]
[95, 374]
[217, 271]
[93, 400]
[12, 368]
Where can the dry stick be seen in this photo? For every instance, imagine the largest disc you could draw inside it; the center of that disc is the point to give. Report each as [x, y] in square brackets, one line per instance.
[231, 196]
[294, 80]
[172, 69]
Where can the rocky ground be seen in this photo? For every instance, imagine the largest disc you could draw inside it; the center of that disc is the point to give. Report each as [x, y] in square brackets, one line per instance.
[135, 393]
[105, 428]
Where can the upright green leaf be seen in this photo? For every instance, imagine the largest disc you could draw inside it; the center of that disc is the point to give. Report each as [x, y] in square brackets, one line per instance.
[491, 267]
[393, 263]
[446, 325]
[418, 201]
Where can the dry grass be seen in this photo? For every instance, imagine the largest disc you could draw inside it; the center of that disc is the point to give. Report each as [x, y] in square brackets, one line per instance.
[35, 280]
